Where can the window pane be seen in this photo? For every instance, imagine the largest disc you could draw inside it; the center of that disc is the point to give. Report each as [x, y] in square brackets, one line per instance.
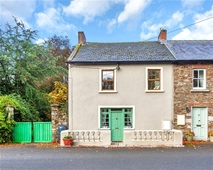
[128, 110]
[201, 74]
[104, 110]
[200, 83]
[195, 83]
[154, 85]
[195, 73]
[154, 74]
[107, 85]
[107, 75]
[128, 120]
[105, 120]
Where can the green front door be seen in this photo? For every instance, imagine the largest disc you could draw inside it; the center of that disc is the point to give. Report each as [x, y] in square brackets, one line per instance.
[117, 125]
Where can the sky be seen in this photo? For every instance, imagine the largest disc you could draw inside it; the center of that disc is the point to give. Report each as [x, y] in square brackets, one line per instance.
[112, 20]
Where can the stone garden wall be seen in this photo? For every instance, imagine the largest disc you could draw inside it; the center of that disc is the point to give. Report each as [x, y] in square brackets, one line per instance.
[185, 97]
[59, 117]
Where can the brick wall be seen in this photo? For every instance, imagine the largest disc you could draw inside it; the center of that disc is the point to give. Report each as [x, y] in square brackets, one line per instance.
[184, 97]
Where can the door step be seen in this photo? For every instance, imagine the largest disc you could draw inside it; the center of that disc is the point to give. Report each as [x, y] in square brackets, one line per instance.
[117, 144]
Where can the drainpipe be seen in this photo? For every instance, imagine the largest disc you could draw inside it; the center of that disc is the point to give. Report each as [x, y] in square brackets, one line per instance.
[70, 98]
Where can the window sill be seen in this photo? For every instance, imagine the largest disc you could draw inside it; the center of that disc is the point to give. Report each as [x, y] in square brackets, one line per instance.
[108, 91]
[126, 128]
[200, 91]
[103, 128]
[154, 91]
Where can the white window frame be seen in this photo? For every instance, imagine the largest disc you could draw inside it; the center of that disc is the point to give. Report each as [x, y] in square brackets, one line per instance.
[161, 80]
[204, 82]
[100, 81]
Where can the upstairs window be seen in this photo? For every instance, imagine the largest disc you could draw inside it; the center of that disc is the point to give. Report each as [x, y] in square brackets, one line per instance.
[199, 79]
[154, 79]
[107, 79]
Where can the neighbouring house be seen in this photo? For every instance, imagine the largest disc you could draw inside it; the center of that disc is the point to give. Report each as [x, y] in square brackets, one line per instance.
[122, 94]
[193, 86]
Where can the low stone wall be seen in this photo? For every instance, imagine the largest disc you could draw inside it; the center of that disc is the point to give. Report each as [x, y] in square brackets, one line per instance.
[88, 138]
[153, 138]
[132, 138]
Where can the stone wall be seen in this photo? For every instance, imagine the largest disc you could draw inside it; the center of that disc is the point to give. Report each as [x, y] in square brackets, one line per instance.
[185, 97]
[59, 117]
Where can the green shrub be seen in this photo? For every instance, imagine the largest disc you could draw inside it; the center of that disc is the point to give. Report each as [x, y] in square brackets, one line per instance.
[6, 126]
[23, 111]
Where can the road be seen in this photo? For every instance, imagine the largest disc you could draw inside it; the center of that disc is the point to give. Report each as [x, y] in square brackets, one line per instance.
[32, 157]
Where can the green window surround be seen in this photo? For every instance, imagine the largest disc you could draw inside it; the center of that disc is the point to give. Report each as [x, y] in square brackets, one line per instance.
[106, 114]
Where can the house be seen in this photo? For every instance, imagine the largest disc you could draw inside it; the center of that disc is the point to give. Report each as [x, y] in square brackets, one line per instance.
[122, 94]
[193, 86]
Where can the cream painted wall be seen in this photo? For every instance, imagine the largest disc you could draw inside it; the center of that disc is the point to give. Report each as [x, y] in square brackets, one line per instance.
[150, 108]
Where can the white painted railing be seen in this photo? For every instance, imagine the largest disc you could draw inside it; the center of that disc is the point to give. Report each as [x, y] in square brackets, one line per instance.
[144, 135]
[153, 138]
[89, 138]
[86, 136]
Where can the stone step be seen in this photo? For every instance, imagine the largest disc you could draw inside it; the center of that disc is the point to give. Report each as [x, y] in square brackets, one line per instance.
[117, 144]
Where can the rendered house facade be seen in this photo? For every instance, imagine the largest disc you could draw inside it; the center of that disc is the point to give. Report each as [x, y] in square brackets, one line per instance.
[121, 93]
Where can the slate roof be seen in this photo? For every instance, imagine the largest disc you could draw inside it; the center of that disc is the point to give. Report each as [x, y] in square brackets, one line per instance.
[191, 49]
[121, 52]
[152, 51]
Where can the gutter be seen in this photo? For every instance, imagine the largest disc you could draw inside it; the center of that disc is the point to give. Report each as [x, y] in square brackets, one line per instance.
[70, 98]
[120, 62]
[143, 61]
[194, 61]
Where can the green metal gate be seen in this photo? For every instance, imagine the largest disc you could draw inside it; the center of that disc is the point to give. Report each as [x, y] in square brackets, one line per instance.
[42, 131]
[24, 132]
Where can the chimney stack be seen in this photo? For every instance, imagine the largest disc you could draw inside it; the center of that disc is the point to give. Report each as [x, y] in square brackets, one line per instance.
[81, 37]
[162, 36]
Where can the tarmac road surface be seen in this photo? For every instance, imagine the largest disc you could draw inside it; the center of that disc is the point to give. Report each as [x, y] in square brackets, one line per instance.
[33, 157]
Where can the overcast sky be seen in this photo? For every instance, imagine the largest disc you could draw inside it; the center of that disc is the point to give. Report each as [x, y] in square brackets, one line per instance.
[113, 20]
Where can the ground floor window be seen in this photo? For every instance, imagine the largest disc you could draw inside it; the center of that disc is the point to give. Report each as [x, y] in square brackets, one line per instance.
[104, 118]
[128, 117]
